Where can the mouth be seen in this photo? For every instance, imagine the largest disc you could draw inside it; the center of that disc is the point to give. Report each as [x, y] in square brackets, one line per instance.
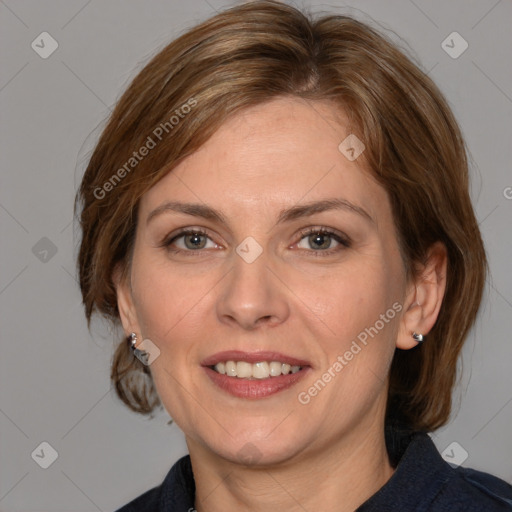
[254, 375]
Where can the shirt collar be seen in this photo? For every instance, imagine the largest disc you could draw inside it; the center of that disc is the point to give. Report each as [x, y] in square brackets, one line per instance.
[420, 473]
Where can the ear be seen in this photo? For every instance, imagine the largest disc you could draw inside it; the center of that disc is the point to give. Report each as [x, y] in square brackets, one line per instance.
[125, 302]
[424, 298]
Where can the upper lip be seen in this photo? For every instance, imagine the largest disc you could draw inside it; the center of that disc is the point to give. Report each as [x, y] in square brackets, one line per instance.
[252, 357]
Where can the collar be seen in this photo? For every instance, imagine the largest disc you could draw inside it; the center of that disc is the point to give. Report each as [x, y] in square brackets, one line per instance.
[420, 474]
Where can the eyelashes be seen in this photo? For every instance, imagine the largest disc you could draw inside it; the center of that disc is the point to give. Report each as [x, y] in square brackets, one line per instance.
[343, 240]
[316, 235]
[197, 232]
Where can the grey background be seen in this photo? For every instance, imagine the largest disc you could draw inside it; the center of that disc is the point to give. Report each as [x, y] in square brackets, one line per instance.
[54, 380]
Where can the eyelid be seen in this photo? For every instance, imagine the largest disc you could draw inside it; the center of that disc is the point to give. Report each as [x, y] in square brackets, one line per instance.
[324, 230]
[168, 239]
[343, 240]
[340, 237]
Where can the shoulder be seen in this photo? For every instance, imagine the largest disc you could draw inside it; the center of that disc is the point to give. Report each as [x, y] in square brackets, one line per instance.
[471, 490]
[457, 488]
[424, 482]
[176, 492]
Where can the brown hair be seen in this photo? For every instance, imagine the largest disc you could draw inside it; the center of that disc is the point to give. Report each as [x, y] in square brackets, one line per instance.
[248, 55]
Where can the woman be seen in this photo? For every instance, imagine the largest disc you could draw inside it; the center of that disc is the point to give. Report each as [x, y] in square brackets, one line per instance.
[278, 215]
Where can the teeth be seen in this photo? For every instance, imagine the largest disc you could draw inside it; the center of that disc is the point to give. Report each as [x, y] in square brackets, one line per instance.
[275, 369]
[231, 369]
[262, 370]
[243, 369]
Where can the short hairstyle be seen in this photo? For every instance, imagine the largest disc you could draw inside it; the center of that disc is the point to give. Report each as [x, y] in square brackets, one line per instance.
[248, 55]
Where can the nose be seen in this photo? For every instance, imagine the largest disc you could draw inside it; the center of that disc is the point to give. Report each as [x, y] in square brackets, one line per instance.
[252, 295]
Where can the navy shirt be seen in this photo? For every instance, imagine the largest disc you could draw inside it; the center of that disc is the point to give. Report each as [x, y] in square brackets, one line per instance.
[422, 482]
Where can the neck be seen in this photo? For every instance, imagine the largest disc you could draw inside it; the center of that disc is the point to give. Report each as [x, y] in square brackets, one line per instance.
[345, 474]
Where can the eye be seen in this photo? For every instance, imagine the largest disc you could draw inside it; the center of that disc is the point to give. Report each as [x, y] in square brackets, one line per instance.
[314, 240]
[188, 240]
[321, 240]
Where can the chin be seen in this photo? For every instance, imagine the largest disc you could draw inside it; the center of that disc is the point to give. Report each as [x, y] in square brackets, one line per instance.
[255, 447]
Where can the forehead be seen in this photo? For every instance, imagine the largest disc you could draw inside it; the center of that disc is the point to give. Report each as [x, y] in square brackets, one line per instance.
[272, 155]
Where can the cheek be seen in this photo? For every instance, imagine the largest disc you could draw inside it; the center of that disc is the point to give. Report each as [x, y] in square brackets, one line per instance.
[362, 305]
[170, 314]
[355, 298]
[164, 297]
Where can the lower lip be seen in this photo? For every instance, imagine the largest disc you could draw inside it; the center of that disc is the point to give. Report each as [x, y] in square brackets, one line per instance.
[255, 388]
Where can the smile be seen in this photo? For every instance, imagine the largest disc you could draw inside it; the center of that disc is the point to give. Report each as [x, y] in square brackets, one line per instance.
[260, 370]
[254, 375]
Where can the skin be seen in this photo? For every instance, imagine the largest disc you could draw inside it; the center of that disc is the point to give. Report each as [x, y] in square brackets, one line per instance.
[291, 299]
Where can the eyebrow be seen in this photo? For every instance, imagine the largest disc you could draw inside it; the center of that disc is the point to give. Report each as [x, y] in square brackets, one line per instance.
[287, 215]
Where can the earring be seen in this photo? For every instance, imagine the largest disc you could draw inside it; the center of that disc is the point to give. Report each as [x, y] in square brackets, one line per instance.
[419, 338]
[141, 355]
[132, 340]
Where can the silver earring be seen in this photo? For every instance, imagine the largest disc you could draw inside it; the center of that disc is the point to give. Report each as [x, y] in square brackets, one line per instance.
[419, 338]
[142, 355]
[132, 340]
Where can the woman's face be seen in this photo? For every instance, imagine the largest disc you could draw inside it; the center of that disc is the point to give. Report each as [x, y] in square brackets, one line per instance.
[260, 280]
